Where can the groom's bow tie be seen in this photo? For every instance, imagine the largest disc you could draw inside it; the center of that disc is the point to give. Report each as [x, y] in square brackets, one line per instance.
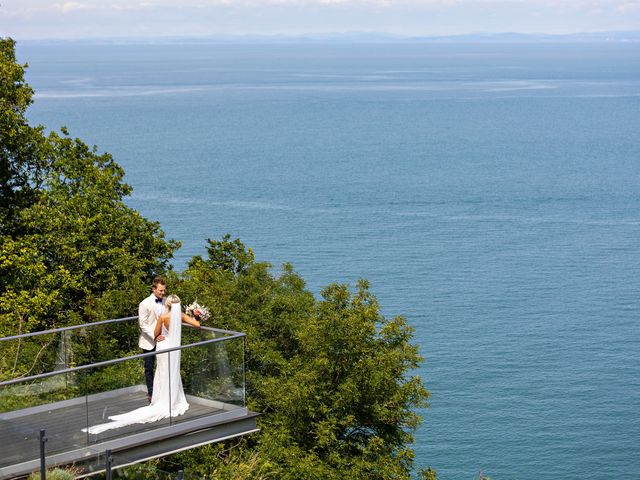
[158, 300]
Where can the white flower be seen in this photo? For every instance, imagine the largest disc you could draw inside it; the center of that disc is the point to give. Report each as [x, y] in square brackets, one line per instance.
[198, 311]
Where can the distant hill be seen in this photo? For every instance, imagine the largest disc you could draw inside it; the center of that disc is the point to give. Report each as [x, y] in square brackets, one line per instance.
[512, 37]
[370, 37]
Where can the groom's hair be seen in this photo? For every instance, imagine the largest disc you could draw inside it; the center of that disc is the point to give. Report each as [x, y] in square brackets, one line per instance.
[158, 281]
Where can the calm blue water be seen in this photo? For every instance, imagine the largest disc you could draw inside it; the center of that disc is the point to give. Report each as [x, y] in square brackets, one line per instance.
[490, 193]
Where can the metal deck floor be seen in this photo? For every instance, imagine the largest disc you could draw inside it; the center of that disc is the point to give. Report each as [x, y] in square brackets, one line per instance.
[63, 422]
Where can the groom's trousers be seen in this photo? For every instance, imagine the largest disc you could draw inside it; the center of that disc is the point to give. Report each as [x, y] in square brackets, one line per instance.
[149, 365]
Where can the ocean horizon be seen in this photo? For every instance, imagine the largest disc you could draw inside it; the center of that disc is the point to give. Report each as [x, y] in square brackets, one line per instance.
[489, 192]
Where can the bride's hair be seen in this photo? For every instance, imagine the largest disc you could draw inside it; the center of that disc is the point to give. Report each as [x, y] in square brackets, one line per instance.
[171, 299]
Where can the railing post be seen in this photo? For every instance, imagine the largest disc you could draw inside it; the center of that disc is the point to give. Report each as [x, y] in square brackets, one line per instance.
[43, 462]
[107, 464]
[244, 374]
[180, 475]
[168, 354]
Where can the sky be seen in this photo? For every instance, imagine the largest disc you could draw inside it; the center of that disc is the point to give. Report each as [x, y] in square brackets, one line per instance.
[77, 19]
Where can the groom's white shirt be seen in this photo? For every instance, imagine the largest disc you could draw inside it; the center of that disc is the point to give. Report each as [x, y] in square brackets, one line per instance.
[148, 313]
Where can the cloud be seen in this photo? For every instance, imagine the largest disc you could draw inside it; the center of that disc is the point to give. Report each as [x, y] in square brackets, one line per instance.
[70, 6]
[132, 6]
[629, 7]
[314, 3]
[619, 6]
[40, 8]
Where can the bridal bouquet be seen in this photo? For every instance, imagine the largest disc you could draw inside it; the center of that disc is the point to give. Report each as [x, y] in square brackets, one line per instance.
[197, 311]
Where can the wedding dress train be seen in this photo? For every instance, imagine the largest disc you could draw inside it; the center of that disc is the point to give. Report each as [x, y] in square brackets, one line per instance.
[168, 394]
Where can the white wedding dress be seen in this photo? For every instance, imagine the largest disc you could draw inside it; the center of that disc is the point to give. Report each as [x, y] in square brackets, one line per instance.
[168, 394]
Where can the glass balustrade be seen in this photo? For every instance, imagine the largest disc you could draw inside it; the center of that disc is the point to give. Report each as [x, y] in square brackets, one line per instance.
[68, 381]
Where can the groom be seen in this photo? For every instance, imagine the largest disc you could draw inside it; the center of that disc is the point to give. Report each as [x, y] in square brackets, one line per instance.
[148, 312]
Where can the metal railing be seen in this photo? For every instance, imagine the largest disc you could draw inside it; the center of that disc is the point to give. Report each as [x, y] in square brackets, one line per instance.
[63, 382]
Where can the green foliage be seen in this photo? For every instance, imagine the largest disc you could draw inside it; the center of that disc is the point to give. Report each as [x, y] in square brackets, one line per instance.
[55, 474]
[71, 251]
[229, 255]
[331, 377]
[428, 474]
[112, 377]
[144, 471]
[44, 392]
[20, 144]
[236, 460]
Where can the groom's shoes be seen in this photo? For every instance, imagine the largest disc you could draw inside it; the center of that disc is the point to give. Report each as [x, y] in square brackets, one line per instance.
[149, 398]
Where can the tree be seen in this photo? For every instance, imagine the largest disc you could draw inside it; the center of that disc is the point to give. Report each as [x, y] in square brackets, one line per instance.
[70, 249]
[20, 147]
[428, 474]
[331, 377]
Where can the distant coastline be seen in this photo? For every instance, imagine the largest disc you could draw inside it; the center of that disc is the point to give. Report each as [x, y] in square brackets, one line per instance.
[362, 37]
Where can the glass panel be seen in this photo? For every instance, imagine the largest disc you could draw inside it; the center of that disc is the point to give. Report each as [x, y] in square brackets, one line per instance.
[213, 376]
[103, 342]
[47, 352]
[118, 389]
[53, 404]
[28, 356]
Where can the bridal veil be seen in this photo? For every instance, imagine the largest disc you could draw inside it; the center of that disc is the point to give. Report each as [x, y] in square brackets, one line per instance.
[168, 395]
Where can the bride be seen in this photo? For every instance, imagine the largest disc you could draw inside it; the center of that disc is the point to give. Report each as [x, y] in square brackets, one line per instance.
[168, 395]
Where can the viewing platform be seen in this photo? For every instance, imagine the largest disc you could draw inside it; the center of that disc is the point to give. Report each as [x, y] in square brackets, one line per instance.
[76, 377]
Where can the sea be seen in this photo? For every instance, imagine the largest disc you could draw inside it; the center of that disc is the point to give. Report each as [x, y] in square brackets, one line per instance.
[490, 192]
